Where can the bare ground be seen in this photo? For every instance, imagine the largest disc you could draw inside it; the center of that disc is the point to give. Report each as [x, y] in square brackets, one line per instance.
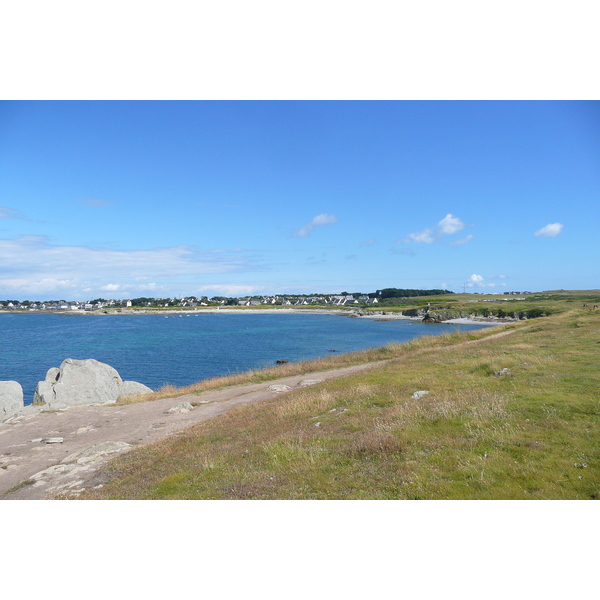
[34, 467]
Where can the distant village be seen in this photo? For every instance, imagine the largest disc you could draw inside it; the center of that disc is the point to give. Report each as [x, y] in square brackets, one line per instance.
[190, 302]
[386, 296]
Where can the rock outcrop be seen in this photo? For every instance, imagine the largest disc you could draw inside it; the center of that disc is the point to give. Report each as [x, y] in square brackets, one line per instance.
[70, 475]
[307, 382]
[134, 388]
[83, 382]
[279, 387]
[11, 399]
[432, 317]
[428, 315]
[182, 407]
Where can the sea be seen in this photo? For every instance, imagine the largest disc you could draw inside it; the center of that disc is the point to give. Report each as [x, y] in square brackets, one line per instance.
[182, 349]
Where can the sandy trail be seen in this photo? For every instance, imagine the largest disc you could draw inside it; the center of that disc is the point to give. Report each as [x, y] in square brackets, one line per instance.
[93, 435]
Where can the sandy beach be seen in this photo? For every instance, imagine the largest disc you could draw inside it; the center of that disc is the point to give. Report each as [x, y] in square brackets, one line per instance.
[352, 313]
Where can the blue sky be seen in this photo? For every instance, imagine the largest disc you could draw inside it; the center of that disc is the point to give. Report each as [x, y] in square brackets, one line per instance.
[163, 198]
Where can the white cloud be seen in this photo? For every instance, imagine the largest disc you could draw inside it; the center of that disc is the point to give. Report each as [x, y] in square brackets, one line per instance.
[368, 243]
[31, 266]
[323, 219]
[150, 287]
[462, 241]
[425, 237]
[550, 230]
[478, 280]
[447, 226]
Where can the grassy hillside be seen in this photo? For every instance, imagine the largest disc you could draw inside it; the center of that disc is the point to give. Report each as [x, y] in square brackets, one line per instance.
[531, 433]
[549, 302]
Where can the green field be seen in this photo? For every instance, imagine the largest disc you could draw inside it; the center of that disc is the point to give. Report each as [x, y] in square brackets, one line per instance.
[531, 433]
[549, 302]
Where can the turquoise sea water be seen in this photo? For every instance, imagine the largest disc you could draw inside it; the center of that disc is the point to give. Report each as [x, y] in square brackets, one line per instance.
[181, 350]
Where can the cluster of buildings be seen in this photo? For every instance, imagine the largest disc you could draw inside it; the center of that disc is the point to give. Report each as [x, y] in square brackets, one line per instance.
[60, 305]
[328, 300]
[286, 300]
[333, 300]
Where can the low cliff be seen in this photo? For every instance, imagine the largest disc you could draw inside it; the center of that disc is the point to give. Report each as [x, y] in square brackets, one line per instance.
[438, 316]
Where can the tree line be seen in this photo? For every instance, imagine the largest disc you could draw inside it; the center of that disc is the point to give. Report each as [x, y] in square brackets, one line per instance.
[408, 293]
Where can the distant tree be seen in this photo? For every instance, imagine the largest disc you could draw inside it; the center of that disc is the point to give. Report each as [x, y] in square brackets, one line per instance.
[408, 293]
[142, 301]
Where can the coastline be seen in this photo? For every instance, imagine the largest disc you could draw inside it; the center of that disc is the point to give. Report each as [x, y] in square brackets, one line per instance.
[380, 315]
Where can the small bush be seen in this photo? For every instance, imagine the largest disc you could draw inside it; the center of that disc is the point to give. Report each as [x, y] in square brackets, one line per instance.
[484, 369]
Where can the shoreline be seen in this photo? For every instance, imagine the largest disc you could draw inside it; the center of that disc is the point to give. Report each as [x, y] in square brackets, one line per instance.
[382, 315]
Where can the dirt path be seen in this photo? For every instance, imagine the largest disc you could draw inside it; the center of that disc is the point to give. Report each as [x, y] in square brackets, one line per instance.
[30, 450]
[50, 453]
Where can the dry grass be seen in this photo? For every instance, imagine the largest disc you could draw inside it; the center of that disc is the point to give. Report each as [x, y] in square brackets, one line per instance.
[337, 361]
[475, 435]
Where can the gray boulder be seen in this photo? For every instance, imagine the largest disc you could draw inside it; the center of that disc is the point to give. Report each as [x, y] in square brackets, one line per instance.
[279, 387]
[504, 371]
[182, 407]
[306, 382]
[133, 388]
[11, 399]
[81, 382]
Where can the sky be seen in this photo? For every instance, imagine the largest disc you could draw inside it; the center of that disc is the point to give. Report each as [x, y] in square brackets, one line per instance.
[122, 199]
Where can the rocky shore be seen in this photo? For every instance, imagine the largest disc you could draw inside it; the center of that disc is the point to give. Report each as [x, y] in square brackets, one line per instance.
[58, 452]
[75, 383]
[446, 316]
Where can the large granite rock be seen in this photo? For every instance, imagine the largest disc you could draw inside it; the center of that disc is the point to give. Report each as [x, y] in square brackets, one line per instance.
[82, 382]
[11, 399]
[134, 388]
